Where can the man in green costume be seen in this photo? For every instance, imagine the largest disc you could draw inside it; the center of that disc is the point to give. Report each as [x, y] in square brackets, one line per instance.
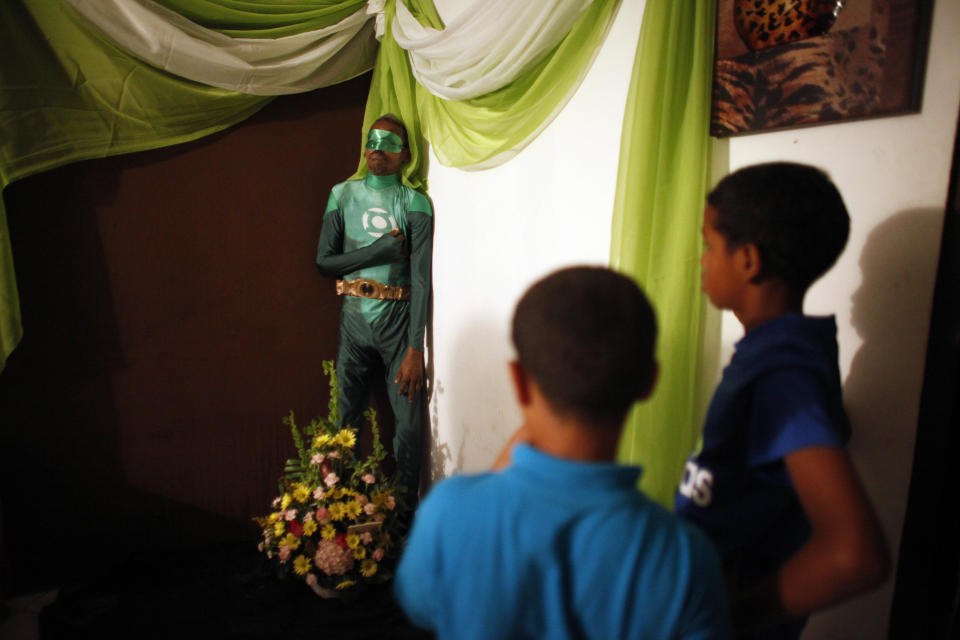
[377, 238]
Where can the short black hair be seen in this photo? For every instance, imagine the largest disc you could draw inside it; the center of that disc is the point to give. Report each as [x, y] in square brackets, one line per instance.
[587, 335]
[793, 213]
[389, 117]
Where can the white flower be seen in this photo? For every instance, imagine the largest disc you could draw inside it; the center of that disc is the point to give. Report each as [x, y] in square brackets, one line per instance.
[331, 479]
[318, 493]
[317, 458]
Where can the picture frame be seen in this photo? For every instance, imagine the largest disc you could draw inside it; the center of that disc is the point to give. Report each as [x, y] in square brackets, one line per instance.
[868, 60]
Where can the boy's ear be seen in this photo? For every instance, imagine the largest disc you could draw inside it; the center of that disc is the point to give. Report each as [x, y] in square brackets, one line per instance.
[521, 383]
[750, 261]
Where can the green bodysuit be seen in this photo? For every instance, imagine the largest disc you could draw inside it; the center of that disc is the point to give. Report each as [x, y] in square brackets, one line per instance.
[355, 242]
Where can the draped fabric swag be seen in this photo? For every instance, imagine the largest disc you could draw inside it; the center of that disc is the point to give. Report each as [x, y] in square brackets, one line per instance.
[476, 79]
[661, 187]
[91, 78]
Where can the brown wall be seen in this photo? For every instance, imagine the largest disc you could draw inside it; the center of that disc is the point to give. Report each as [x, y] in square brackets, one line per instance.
[172, 317]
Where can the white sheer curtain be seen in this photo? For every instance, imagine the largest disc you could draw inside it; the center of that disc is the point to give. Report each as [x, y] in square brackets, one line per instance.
[486, 43]
[289, 64]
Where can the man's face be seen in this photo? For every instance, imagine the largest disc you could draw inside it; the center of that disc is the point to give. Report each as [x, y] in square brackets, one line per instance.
[385, 163]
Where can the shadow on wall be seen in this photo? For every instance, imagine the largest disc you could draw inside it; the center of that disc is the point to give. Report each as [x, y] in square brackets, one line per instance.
[891, 313]
[473, 396]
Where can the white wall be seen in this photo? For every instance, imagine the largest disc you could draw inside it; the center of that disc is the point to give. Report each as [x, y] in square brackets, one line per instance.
[497, 231]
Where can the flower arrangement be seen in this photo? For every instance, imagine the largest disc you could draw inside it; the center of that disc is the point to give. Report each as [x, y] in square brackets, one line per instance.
[335, 521]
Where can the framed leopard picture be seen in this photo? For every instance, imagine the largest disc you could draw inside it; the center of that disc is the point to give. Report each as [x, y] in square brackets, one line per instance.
[789, 63]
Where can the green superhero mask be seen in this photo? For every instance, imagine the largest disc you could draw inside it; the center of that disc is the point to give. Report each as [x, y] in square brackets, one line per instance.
[383, 140]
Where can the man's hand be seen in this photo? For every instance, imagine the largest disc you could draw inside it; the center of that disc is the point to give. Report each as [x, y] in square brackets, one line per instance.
[396, 234]
[410, 374]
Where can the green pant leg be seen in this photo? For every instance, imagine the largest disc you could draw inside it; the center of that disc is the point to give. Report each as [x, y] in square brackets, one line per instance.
[356, 359]
[408, 415]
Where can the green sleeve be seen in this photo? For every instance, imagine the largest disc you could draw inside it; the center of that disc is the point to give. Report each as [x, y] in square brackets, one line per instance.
[421, 256]
[333, 262]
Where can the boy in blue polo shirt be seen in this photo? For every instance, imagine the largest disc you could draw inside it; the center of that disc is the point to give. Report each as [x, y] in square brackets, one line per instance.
[772, 484]
[561, 544]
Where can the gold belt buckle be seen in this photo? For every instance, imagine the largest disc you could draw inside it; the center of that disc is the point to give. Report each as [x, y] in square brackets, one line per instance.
[365, 288]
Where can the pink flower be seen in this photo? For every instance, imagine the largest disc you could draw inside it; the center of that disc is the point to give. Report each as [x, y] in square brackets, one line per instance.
[391, 502]
[323, 515]
[318, 493]
[331, 479]
[369, 509]
[276, 502]
[311, 579]
[333, 454]
[378, 554]
[380, 517]
[362, 499]
[317, 458]
[308, 516]
[366, 538]
[333, 559]
[369, 478]
[290, 514]
[283, 553]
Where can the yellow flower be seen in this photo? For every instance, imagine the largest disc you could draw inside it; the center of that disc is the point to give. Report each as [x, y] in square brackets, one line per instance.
[353, 540]
[291, 541]
[360, 553]
[321, 440]
[273, 517]
[338, 511]
[301, 493]
[346, 584]
[278, 528]
[309, 527]
[301, 565]
[285, 501]
[368, 568]
[346, 438]
[354, 509]
[329, 532]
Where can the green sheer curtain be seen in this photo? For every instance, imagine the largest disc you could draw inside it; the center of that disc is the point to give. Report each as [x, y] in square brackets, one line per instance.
[246, 19]
[66, 94]
[477, 132]
[661, 185]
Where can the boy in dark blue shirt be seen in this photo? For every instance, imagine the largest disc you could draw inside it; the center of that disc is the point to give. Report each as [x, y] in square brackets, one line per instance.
[772, 484]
